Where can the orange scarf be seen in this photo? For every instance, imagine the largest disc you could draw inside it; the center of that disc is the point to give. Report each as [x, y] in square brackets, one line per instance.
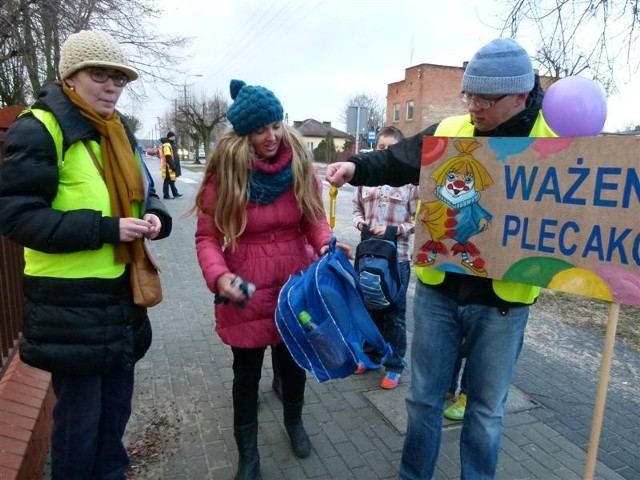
[122, 173]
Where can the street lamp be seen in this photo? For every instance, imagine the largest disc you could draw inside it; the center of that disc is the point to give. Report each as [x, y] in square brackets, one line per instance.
[184, 85]
[184, 90]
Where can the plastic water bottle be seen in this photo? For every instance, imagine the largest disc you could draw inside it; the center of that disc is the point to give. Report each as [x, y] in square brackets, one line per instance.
[326, 341]
[305, 320]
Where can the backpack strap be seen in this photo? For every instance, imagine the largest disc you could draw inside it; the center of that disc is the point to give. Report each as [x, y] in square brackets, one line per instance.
[390, 233]
[365, 233]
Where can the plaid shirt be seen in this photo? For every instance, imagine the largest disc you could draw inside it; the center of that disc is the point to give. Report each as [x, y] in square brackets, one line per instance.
[389, 206]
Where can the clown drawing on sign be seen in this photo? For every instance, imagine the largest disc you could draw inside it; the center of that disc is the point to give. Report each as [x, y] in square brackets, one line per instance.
[457, 214]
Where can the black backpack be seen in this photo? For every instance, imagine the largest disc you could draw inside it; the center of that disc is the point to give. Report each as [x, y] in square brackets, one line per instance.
[378, 269]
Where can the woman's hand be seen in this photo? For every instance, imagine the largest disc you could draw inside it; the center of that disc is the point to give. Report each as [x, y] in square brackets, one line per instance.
[156, 225]
[226, 288]
[340, 173]
[342, 246]
[134, 228]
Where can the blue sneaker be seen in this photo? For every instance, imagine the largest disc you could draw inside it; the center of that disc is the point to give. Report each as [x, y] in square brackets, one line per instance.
[390, 380]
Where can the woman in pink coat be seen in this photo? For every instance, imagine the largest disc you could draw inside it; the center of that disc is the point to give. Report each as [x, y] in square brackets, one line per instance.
[258, 206]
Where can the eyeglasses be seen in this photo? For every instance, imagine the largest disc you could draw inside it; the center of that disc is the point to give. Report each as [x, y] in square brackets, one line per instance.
[100, 75]
[480, 102]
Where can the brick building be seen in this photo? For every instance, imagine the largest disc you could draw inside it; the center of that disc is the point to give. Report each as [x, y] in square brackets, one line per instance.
[427, 94]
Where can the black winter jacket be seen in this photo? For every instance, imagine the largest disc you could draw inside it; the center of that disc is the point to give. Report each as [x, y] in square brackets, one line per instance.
[400, 164]
[71, 326]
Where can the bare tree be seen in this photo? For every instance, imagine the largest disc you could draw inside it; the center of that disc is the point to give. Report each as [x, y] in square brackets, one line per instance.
[377, 109]
[33, 31]
[201, 119]
[596, 38]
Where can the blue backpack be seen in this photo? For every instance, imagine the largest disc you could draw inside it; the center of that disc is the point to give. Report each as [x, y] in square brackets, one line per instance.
[328, 297]
[378, 269]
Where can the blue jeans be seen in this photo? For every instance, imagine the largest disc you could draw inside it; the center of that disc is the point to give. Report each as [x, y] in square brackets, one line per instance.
[392, 324]
[89, 419]
[492, 342]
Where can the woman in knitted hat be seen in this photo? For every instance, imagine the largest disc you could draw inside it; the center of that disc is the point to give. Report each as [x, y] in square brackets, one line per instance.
[258, 207]
[75, 193]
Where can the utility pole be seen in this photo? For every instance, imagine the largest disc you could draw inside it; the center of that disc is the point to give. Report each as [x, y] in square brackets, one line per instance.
[358, 107]
[353, 124]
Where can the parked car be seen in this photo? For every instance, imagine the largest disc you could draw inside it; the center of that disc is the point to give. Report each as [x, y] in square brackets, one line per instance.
[153, 151]
[201, 152]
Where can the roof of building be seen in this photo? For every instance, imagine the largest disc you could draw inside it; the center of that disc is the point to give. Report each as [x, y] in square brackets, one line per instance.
[314, 128]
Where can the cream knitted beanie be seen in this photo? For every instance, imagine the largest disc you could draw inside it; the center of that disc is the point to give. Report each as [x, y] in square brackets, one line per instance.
[93, 48]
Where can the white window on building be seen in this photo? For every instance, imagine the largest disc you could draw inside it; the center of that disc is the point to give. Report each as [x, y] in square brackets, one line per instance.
[410, 110]
[310, 146]
[396, 112]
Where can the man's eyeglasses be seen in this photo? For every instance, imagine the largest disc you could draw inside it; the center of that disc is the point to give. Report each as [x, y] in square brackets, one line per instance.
[480, 102]
[100, 75]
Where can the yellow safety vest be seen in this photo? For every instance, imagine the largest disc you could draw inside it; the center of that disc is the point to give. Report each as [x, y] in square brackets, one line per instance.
[165, 149]
[80, 186]
[460, 126]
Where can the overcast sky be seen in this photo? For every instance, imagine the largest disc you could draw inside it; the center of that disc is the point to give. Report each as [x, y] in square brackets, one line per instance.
[315, 54]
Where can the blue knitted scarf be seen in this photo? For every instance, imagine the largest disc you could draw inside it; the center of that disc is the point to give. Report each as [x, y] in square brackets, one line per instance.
[270, 180]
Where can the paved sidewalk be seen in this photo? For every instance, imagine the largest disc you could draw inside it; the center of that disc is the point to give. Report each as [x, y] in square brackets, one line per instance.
[181, 427]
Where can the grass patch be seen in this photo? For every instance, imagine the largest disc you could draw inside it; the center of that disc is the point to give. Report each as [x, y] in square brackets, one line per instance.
[591, 314]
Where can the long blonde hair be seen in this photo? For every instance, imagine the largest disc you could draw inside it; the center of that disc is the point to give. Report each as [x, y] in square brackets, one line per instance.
[230, 166]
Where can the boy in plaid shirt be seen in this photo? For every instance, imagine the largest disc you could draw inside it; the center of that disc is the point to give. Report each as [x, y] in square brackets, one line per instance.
[380, 207]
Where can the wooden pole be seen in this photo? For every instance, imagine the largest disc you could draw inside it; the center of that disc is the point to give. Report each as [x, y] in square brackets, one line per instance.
[601, 394]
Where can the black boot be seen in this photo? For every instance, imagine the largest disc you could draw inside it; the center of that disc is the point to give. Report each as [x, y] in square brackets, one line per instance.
[276, 385]
[300, 443]
[248, 458]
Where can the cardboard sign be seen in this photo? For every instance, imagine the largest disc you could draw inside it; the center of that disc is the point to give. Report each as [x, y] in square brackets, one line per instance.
[560, 213]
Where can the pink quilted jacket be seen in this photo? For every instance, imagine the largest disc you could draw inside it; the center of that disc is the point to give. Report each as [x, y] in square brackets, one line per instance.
[271, 248]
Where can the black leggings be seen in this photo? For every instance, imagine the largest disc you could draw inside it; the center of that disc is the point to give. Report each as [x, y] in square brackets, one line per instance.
[247, 370]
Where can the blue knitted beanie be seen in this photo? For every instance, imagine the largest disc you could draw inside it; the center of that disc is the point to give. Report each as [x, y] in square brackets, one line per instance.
[501, 67]
[253, 107]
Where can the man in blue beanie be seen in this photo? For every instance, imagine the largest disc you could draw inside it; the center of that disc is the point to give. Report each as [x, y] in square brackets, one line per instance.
[504, 98]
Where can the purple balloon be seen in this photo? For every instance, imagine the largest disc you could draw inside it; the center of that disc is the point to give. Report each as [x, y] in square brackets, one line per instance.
[575, 107]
